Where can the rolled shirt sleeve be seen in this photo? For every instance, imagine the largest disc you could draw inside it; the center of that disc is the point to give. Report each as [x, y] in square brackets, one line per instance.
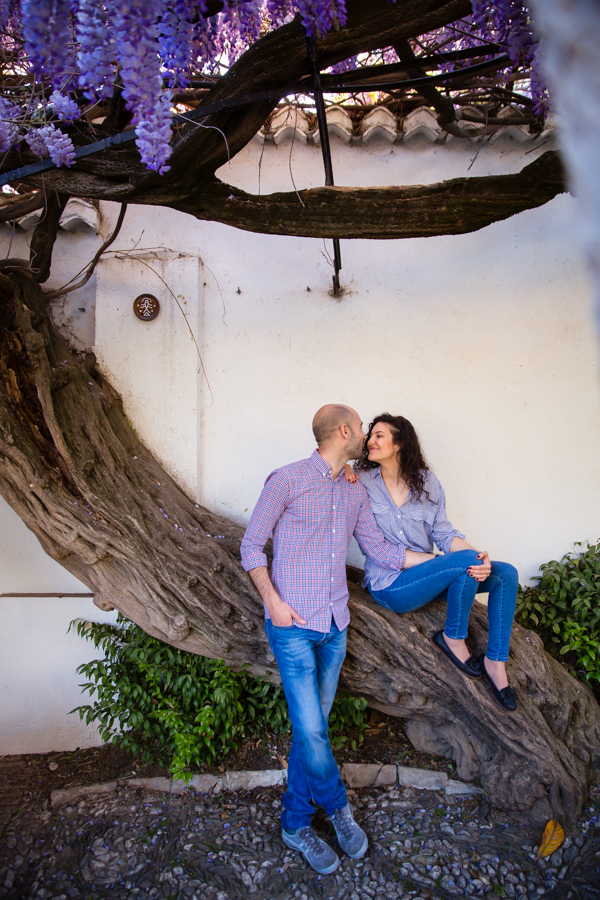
[372, 541]
[272, 502]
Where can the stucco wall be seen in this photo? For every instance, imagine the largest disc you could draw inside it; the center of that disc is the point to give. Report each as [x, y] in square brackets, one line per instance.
[38, 683]
[484, 341]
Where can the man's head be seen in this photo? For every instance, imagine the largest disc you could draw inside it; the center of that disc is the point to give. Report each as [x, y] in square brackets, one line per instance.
[339, 426]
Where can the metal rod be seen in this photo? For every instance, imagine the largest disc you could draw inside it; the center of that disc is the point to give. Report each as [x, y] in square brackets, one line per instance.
[325, 150]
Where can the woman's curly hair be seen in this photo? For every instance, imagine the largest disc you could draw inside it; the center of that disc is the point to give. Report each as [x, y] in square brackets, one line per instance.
[413, 465]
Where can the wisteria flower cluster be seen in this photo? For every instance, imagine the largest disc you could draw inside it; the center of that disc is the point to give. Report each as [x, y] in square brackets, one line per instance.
[81, 52]
[508, 22]
[50, 141]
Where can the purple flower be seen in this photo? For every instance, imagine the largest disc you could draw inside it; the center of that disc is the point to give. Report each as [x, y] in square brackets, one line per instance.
[136, 31]
[8, 128]
[96, 52]
[4, 13]
[65, 108]
[158, 41]
[280, 11]
[320, 16]
[50, 141]
[176, 39]
[46, 34]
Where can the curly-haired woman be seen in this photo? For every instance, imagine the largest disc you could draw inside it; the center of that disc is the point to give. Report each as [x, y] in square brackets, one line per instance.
[409, 506]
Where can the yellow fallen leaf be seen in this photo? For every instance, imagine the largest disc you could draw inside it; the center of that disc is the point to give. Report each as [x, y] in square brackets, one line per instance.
[552, 838]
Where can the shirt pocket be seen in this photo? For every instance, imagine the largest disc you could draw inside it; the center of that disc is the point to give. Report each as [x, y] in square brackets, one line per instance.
[384, 520]
[419, 513]
[381, 511]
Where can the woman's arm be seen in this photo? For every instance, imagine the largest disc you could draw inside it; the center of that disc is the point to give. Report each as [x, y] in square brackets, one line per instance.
[350, 474]
[480, 572]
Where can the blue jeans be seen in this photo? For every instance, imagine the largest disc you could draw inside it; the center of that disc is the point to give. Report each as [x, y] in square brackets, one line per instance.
[445, 577]
[309, 664]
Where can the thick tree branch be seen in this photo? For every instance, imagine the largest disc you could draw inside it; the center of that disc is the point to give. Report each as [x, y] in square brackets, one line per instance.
[443, 105]
[44, 236]
[74, 469]
[278, 59]
[16, 205]
[457, 206]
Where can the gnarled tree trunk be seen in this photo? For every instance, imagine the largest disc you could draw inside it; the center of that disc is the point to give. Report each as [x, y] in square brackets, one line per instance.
[74, 470]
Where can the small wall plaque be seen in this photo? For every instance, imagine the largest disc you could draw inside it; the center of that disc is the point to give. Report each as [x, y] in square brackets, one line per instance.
[146, 307]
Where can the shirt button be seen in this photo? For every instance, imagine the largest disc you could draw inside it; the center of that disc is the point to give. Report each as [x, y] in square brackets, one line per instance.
[333, 555]
[334, 507]
[332, 579]
[334, 530]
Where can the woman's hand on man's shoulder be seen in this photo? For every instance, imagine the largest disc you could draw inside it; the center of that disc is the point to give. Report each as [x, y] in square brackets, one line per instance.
[350, 474]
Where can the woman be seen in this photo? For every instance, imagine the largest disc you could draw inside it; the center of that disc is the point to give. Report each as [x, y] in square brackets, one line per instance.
[409, 506]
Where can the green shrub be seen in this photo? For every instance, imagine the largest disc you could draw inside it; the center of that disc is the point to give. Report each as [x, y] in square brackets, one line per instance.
[178, 709]
[564, 609]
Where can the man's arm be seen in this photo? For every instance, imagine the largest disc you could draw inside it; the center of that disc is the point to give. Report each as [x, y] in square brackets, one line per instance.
[271, 504]
[373, 543]
[281, 613]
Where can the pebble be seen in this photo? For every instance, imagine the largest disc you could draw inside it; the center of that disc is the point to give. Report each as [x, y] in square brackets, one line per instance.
[423, 844]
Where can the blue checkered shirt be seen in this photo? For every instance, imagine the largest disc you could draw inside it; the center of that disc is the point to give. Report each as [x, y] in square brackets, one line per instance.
[312, 518]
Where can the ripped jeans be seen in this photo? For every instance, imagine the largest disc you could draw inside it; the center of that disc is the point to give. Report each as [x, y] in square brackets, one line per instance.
[446, 577]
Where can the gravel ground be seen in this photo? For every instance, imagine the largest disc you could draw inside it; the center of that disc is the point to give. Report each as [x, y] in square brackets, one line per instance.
[227, 847]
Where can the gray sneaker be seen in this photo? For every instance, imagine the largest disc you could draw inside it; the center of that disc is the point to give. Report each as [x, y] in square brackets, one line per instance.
[318, 854]
[351, 837]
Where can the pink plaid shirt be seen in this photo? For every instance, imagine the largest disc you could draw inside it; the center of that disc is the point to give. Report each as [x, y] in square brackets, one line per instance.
[312, 518]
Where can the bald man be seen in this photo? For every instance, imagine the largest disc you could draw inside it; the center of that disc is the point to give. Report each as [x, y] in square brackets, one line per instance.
[312, 512]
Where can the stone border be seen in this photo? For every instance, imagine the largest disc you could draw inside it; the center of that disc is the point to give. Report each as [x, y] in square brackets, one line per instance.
[355, 775]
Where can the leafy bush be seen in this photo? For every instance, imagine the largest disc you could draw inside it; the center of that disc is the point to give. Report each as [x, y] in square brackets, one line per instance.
[179, 709]
[564, 609]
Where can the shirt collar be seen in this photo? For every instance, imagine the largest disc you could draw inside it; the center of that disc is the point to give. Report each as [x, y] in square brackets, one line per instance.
[322, 465]
[375, 472]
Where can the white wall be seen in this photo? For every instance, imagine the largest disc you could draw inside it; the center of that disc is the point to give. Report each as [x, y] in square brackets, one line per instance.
[155, 365]
[483, 340]
[38, 682]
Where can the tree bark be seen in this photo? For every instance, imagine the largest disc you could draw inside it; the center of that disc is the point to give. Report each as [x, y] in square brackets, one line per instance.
[456, 206]
[76, 473]
[276, 60]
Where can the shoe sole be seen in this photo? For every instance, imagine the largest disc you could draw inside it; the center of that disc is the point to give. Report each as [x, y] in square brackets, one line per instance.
[326, 871]
[462, 672]
[361, 852]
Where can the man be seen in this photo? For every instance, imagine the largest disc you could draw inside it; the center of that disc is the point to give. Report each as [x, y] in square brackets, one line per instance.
[313, 511]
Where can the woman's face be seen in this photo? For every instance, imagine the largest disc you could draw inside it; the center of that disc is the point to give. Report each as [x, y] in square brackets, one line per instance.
[381, 445]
